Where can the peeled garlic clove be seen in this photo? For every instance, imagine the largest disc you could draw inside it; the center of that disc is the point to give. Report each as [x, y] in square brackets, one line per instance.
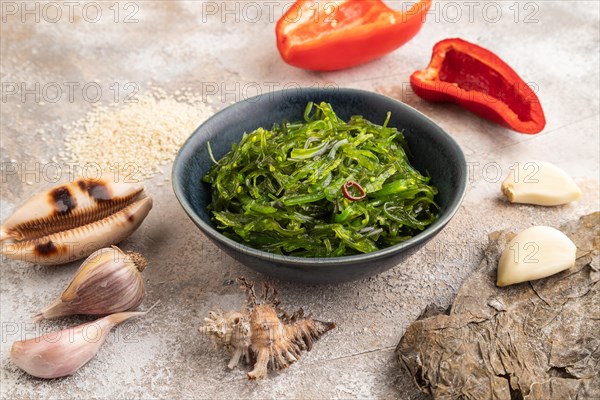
[108, 281]
[541, 183]
[73, 220]
[535, 253]
[62, 353]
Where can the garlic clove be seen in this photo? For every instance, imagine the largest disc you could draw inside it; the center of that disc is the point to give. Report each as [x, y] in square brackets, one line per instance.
[541, 183]
[535, 253]
[62, 353]
[108, 281]
[72, 220]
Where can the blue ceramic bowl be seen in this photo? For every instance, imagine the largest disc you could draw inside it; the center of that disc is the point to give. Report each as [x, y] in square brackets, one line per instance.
[434, 152]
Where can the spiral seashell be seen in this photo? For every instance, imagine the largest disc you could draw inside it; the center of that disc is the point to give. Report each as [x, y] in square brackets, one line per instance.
[263, 334]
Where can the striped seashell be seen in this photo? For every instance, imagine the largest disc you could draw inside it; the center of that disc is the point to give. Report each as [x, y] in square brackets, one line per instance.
[72, 220]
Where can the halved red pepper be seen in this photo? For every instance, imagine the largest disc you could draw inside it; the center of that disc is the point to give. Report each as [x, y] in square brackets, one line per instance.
[326, 36]
[478, 80]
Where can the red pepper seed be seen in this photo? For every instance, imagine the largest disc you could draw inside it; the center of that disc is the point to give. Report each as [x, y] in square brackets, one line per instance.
[352, 184]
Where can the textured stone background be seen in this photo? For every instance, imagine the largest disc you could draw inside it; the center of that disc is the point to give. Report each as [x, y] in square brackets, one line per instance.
[175, 44]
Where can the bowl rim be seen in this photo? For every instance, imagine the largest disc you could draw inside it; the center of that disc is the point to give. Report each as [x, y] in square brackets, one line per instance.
[307, 262]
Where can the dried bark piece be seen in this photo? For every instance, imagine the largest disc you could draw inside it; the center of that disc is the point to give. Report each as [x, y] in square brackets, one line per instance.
[533, 340]
[262, 333]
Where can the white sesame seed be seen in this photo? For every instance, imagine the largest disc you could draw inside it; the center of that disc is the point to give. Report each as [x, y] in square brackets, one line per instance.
[144, 134]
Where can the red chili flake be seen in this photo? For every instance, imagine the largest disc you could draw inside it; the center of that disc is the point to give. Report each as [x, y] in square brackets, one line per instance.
[351, 184]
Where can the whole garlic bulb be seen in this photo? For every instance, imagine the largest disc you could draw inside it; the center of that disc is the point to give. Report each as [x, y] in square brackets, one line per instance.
[108, 281]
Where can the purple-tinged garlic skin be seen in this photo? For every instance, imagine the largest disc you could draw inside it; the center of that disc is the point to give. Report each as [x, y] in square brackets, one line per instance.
[264, 333]
[72, 220]
[108, 281]
[62, 353]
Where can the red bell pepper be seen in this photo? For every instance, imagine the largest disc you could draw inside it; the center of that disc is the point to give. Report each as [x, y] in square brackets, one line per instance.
[478, 80]
[344, 33]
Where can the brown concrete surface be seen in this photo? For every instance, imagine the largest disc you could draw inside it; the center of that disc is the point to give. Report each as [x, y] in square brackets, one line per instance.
[175, 44]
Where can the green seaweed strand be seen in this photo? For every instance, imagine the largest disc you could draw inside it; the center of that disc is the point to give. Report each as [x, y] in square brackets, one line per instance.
[279, 190]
